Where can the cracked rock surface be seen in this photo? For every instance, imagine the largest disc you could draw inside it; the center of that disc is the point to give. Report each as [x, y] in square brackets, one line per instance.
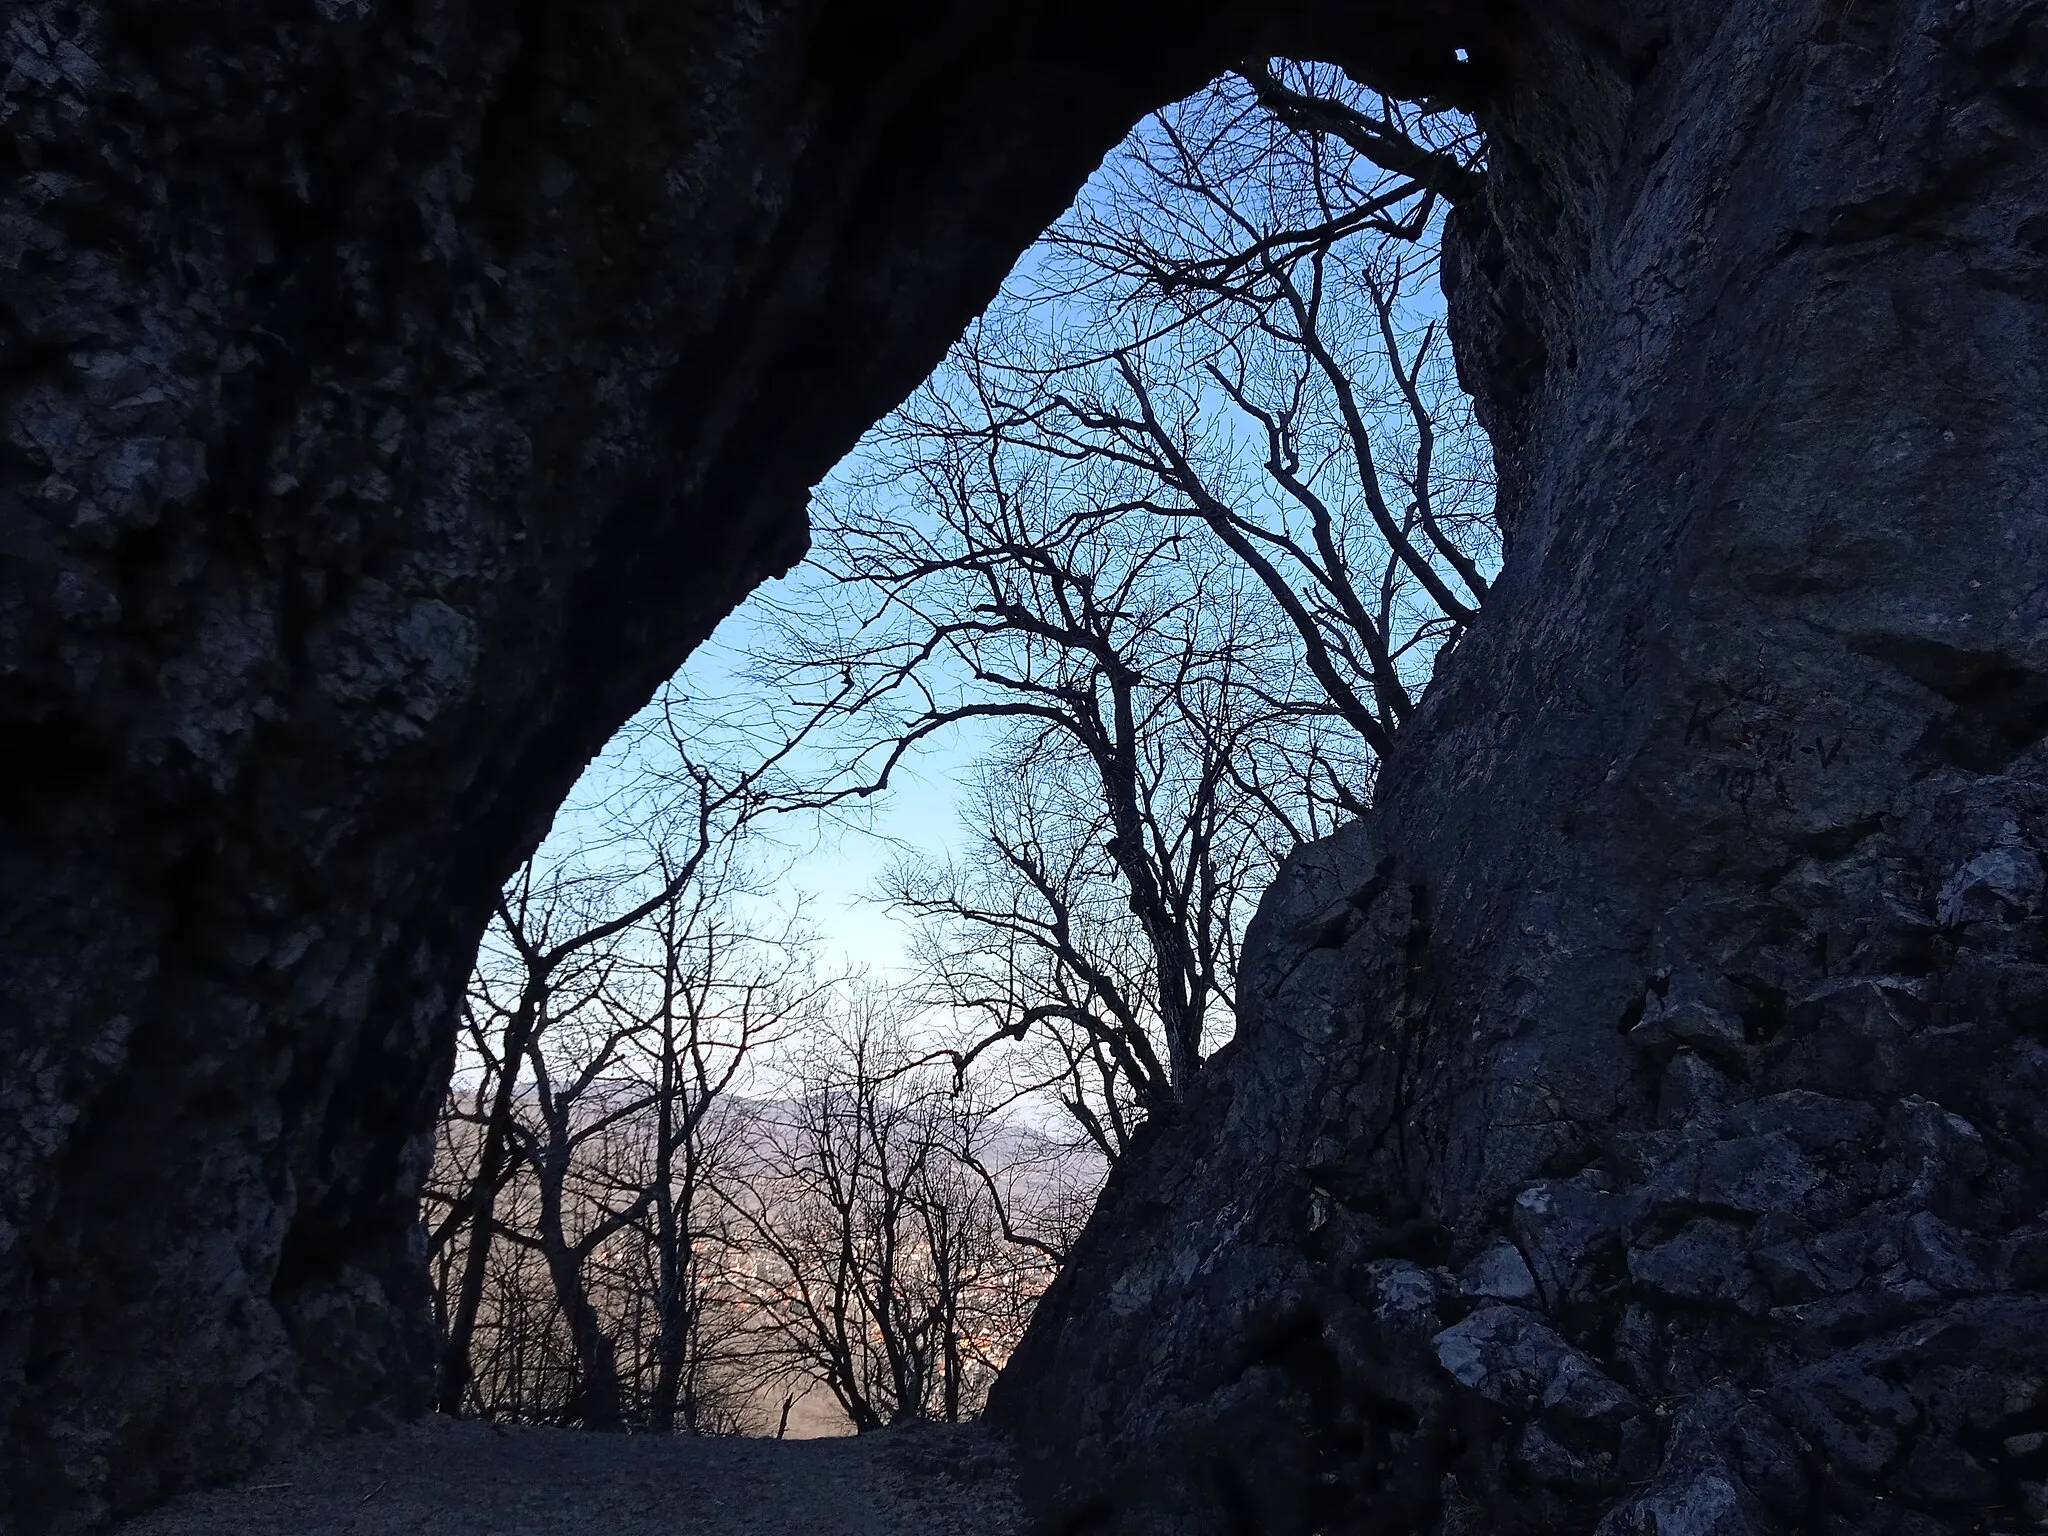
[1638, 1125]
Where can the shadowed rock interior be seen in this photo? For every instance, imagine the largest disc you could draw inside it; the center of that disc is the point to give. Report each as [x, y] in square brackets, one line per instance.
[1636, 1125]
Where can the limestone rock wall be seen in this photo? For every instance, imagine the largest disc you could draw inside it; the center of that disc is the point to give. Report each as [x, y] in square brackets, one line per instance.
[1638, 1126]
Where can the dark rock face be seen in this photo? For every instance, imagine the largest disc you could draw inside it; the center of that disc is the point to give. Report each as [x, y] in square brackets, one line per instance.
[394, 393]
[1639, 1125]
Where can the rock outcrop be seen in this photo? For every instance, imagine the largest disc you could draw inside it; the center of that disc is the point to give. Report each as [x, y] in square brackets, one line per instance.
[394, 392]
[1638, 1122]
[1641, 1124]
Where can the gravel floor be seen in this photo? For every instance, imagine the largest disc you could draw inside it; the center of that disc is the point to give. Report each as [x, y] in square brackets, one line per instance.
[468, 1479]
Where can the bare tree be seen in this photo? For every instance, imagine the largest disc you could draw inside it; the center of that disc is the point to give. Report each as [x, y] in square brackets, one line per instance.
[722, 994]
[1146, 703]
[1178, 533]
[1180, 530]
[1258, 344]
[633, 1045]
[549, 1036]
[880, 1262]
[504, 1014]
[1029, 937]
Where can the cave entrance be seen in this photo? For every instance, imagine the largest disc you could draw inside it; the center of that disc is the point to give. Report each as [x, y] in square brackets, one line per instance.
[398, 393]
[793, 1059]
[392, 415]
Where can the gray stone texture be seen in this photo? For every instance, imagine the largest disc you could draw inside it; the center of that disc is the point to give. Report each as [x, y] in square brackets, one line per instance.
[395, 392]
[1694, 953]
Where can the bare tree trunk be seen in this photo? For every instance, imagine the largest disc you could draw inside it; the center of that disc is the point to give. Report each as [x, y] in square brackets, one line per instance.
[493, 1166]
[676, 1304]
[596, 1402]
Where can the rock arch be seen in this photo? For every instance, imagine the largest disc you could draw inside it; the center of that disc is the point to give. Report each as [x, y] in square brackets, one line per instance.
[395, 392]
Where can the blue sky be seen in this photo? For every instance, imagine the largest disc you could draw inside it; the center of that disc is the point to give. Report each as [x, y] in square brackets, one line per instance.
[834, 867]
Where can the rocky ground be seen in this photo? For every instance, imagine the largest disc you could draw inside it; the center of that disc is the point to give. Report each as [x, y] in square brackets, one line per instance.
[470, 1479]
